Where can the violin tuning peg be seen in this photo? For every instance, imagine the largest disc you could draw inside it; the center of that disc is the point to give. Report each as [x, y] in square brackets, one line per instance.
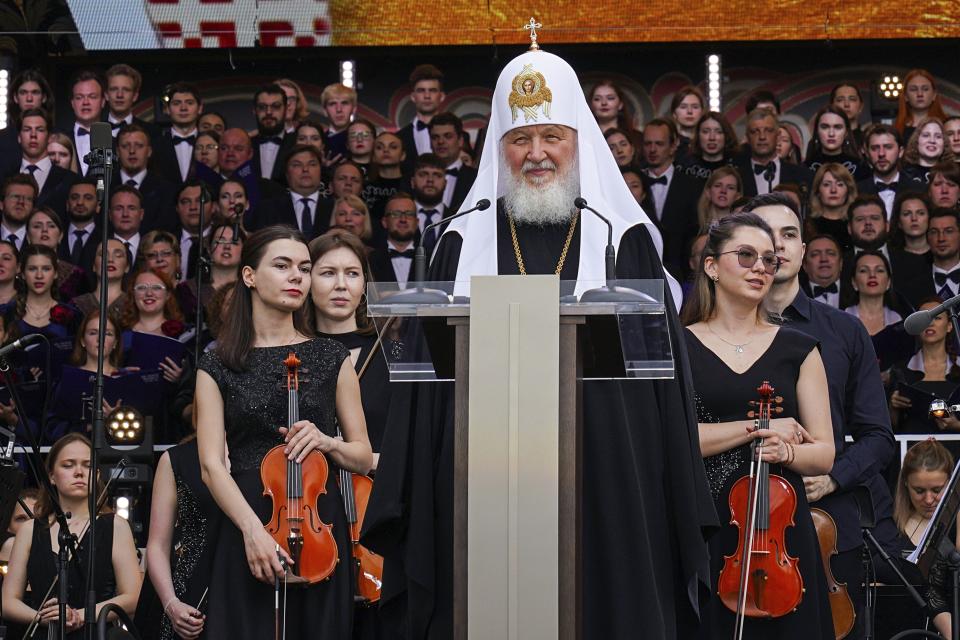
[778, 399]
[751, 414]
[778, 410]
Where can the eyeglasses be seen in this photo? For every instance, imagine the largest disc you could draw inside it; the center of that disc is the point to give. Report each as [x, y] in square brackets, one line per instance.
[224, 242]
[207, 147]
[747, 257]
[19, 198]
[360, 135]
[396, 215]
[154, 255]
[142, 289]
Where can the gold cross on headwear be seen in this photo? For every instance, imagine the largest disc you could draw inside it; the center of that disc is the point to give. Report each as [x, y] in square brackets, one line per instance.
[532, 27]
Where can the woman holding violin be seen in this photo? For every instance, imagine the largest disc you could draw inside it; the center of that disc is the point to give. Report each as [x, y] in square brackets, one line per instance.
[765, 560]
[275, 396]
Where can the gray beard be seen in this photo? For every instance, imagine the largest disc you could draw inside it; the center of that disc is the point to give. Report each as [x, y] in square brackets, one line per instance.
[541, 205]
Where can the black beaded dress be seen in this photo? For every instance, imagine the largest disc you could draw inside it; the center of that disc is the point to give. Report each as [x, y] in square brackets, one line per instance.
[723, 396]
[194, 540]
[42, 568]
[255, 406]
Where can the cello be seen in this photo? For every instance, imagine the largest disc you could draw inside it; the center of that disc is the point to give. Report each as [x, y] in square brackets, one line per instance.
[294, 488]
[761, 579]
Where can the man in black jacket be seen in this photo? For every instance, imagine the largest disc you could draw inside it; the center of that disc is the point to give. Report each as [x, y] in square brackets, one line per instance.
[673, 193]
[270, 145]
[53, 181]
[760, 168]
[446, 140]
[426, 94]
[133, 152]
[885, 150]
[302, 206]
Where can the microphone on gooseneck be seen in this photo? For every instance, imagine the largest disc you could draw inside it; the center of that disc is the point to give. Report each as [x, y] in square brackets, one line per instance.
[420, 256]
[610, 257]
[237, 212]
[22, 343]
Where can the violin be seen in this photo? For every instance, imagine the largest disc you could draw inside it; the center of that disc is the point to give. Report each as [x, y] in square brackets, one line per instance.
[368, 566]
[294, 488]
[841, 606]
[761, 579]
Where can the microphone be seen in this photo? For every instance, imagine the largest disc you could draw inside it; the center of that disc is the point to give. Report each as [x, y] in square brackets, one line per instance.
[22, 343]
[610, 256]
[100, 158]
[917, 321]
[420, 256]
[609, 292]
[237, 212]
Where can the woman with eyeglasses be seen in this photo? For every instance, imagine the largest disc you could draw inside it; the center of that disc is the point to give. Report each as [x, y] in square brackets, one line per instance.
[360, 135]
[118, 265]
[206, 150]
[159, 251]
[733, 348]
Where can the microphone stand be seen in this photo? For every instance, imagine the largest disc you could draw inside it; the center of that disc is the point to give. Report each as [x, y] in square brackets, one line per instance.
[420, 294]
[609, 292]
[100, 161]
[203, 265]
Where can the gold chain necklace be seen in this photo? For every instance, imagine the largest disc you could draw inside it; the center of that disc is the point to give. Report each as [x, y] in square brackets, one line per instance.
[563, 254]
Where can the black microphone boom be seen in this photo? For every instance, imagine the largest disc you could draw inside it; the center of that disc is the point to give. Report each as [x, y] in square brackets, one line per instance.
[420, 257]
[609, 292]
[22, 343]
[611, 253]
[917, 321]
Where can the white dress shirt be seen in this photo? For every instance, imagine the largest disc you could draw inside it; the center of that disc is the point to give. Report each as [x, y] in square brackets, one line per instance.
[184, 152]
[451, 183]
[760, 181]
[887, 195]
[138, 178]
[421, 138]
[42, 172]
[82, 144]
[298, 207]
[72, 236]
[19, 236]
[831, 298]
[401, 264]
[268, 158]
[132, 244]
[113, 121]
[951, 286]
[659, 191]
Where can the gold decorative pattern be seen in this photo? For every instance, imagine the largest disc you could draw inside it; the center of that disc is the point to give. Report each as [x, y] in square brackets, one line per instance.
[530, 91]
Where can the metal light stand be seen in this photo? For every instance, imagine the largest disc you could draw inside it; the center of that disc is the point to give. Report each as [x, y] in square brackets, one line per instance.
[203, 267]
[101, 167]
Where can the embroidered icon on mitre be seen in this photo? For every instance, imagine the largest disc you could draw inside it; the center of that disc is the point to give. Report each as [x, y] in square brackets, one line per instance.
[530, 91]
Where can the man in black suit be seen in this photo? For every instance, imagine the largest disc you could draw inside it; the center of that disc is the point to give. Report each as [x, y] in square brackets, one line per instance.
[885, 151]
[339, 105]
[426, 93]
[53, 181]
[673, 193]
[302, 206]
[760, 168]
[446, 141]
[428, 182]
[19, 194]
[822, 265]
[28, 90]
[79, 243]
[134, 151]
[392, 260]
[173, 147]
[188, 213]
[123, 91]
[126, 218]
[270, 145]
[87, 100]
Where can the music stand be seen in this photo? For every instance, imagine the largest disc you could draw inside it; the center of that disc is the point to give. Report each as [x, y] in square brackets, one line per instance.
[937, 543]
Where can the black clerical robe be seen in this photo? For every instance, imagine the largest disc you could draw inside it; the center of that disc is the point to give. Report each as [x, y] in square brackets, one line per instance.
[646, 505]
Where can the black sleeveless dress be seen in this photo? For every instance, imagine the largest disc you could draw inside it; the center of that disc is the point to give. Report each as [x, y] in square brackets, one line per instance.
[194, 540]
[255, 406]
[42, 568]
[723, 396]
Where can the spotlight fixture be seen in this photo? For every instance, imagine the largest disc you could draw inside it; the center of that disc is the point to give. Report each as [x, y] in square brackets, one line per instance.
[891, 87]
[348, 73]
[714, 82]
[125, 426]
[4, 97]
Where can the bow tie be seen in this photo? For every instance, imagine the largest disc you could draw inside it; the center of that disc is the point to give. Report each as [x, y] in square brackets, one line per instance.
[661, 180]
[941, 278]
[421, 125]
[117, 125]
[883, 186]
[274, 139]
[819, 291]
[83, 132]
[760, 168]
[406, 253]
[189, 140]
[453, 172]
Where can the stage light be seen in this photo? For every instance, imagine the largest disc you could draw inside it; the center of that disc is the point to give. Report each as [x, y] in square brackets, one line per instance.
[125, 426]
[891, 87]
[714, 82]
[348, 73]
[4, 97]
[123, 507]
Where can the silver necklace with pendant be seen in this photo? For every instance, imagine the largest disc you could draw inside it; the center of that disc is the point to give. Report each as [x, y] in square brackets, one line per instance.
[737, 348]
